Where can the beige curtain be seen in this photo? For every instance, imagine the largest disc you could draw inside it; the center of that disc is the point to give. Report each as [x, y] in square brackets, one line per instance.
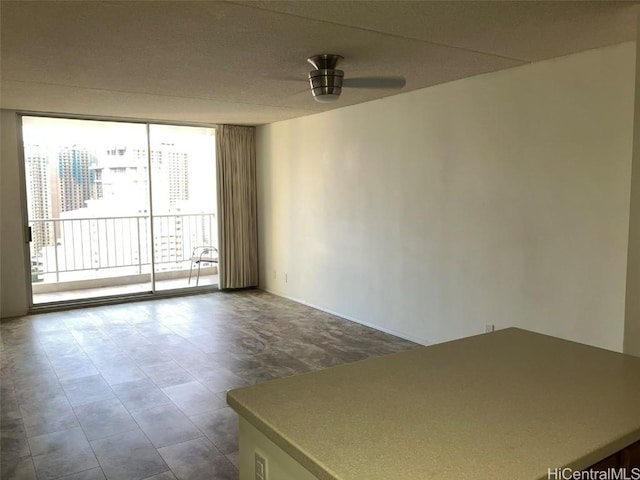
[237, 220]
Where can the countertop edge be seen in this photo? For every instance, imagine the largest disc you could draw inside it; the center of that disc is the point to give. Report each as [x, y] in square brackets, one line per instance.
[603, 452]
[604, 446]
[307, 461]
[322, 473]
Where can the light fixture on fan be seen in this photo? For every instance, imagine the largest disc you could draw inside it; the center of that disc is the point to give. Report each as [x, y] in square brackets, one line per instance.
[326, 81]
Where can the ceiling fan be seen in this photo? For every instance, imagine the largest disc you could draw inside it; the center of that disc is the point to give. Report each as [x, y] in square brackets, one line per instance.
[327, 82]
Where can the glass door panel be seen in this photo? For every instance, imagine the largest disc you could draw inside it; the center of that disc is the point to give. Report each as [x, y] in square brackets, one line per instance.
[183, 193]
[87, 186]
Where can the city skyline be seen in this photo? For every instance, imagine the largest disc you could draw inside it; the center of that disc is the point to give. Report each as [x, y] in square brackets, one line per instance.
[69, 178]
[90, 174]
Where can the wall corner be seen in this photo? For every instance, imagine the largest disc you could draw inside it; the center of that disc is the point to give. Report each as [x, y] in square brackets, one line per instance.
[632, 297]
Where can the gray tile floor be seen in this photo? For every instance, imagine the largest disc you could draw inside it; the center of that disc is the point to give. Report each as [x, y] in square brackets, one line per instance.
[136, 391]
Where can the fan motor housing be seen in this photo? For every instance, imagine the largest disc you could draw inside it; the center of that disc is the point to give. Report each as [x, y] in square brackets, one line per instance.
[326, 84]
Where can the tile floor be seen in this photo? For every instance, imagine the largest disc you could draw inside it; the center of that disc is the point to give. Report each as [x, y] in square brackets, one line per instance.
[136, 391]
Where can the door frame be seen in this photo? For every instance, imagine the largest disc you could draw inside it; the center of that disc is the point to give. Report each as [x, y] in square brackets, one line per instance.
[107, 299]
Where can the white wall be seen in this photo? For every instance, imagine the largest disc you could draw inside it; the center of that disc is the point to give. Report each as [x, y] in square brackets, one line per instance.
[632, 312]
[502, 199]
[13, 294]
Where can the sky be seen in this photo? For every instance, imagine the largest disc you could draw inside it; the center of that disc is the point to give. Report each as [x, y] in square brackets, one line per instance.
[97, 136]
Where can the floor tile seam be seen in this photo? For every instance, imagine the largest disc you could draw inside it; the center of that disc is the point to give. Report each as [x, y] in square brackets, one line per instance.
[194, 345]
[98, 368]
[148, 335]
[191, 371]
[33, 465]
[49, 433]
[66, 329]
[187, 416]
[226, 455]
[131, 414]
[215, 392]
[204, 436]
[12, 387]
[60, 380]
[64, 392]
[141, 365]
[107, 436]
[75, 407]
[173, 385]
[8, 331]
[209, 411]
[6, 350]
[60, 431]
[80, 471]
[24, 430]
[126, 431]
[168, 359]
[85, 403]
[95, 454]
[151, 444]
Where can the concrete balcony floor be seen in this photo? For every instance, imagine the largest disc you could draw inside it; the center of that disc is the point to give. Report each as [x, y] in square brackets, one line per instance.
[75, 293]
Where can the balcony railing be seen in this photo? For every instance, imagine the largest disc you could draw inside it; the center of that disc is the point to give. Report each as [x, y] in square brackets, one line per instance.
[70, 249]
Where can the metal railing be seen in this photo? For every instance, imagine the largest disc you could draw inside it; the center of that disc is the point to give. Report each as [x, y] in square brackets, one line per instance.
[114, 246]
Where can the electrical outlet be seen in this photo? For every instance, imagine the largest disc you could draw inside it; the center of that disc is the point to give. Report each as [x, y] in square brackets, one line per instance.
[261, 467]
[489, 327]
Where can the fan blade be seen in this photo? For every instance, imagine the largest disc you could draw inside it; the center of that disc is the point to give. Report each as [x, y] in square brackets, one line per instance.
[374, 82]
[288, 78]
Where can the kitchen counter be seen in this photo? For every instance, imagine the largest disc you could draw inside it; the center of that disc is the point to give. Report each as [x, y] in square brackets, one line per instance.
[505, 405]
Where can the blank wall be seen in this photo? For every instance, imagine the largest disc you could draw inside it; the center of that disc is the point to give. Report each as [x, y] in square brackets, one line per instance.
[499, 199]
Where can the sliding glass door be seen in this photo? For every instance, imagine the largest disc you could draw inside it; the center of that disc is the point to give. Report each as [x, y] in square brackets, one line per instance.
[116, 208]
[183, 186]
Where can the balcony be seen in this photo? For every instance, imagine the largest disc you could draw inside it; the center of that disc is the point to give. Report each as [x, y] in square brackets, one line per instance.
[80, 258]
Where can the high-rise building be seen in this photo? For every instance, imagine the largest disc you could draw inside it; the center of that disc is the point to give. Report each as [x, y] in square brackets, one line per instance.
[170, 171]
[76, 180]
[122, 187]
[170, 177]
[122, 180]
[39, 207]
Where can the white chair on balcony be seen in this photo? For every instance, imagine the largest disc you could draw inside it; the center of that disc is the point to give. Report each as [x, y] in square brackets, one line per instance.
[200, 255]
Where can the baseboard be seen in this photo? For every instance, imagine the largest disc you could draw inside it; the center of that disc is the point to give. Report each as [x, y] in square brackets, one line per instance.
[9, 315]
[390, 331]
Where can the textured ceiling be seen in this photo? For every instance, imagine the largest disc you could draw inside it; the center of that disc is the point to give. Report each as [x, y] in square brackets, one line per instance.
[244, 62]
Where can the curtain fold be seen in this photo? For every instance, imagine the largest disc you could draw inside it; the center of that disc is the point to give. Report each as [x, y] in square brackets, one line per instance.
[237, 216]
